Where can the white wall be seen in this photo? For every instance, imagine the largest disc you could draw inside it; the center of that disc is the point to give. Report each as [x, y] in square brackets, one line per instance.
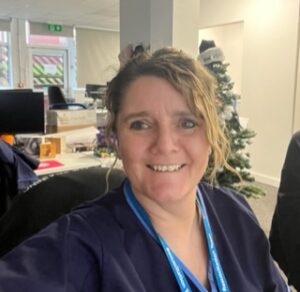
[268, 75]
[186, 25]
[160, 23]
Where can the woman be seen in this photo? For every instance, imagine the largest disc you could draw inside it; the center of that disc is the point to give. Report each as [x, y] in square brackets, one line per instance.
[161, 230]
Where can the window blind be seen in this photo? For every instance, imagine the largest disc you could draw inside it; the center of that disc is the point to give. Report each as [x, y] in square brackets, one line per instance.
[97, 56]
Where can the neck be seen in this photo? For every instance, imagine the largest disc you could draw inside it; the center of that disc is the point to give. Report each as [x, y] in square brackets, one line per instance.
[172, 221]
[179, 224]
[186, 237]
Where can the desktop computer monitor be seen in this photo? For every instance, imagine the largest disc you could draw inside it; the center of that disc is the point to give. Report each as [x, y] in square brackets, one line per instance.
[16, 90]
[21, 112]
[96, 91]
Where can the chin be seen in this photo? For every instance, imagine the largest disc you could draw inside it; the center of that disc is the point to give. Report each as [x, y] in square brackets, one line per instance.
[166, 192]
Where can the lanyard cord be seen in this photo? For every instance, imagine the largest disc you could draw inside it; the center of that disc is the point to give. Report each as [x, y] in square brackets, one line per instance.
[176, 265]
[217, 268]
[145, 220]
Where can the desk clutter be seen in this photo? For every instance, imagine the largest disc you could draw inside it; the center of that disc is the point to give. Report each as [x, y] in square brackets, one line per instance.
[79, 140]
[47, 146]
[76, 149]
[102, 149]
[69, 131]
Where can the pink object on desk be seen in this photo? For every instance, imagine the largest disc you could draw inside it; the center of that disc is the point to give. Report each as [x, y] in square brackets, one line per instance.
[49, 164]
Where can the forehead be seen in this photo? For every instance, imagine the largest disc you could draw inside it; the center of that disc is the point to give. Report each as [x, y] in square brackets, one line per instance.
[147, 90]
[156, 89]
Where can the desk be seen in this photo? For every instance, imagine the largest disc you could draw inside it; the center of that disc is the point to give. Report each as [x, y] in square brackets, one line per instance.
[72, 161]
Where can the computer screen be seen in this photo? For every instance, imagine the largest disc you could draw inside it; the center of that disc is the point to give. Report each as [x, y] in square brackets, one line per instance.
[21, 112]
[16, 90]
[95, 90]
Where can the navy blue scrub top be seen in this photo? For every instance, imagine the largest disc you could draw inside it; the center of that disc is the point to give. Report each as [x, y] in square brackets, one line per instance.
[101, 246]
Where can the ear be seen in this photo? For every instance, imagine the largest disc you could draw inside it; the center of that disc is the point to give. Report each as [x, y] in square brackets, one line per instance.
[209, 151]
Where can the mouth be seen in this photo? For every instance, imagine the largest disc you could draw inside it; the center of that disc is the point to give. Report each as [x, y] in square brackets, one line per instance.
[165, 167]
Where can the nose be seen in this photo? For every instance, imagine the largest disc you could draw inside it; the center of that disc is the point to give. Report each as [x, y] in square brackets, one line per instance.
[165, 141]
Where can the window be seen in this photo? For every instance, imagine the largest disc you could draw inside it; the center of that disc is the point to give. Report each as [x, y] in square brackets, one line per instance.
[51, 57]
[48, 61]
[5, 64]
[49, 68]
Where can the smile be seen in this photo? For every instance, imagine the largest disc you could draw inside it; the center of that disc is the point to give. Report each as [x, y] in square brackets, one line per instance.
[166, 168]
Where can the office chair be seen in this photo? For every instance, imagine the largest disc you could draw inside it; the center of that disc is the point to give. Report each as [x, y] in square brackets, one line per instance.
[57, 99]
[50, 198]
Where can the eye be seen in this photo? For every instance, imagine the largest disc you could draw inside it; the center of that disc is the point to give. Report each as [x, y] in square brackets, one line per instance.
[188, 124]
[138, 125]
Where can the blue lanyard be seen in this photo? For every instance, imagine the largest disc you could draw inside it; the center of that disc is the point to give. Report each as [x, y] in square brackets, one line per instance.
[175, 263]
[217, 268]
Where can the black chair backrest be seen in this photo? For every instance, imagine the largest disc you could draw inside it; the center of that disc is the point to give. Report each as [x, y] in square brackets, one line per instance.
[58, 101]
[50, 198]
[55, 95]
[65, 106]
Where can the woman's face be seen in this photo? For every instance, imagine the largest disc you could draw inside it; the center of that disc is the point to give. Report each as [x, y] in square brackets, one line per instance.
[162, 144]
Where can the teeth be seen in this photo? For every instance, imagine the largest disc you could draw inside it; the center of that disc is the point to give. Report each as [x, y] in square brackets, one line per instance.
[166, 168]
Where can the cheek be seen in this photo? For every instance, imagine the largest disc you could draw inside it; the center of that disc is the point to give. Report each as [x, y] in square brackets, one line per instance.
[200, 152]
[127, 149]
[198, 144]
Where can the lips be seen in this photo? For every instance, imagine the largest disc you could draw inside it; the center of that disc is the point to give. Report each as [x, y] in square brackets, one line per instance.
[165, 167]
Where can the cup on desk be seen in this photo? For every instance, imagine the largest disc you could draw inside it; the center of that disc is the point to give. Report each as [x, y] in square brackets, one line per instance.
[57, 141]
[47, 150]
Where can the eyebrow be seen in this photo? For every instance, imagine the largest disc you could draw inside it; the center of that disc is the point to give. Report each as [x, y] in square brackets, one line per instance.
[143, 114]
[131, 116]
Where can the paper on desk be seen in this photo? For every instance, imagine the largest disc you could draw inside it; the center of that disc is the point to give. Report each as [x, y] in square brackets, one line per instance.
[49, 164]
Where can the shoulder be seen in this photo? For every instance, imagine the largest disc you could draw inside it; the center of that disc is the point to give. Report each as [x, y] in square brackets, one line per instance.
[107, 217]
[221, 198]
[230, 215]
[296, 136]
[294, 148]
[240, 241]
[76, 244]
[107, 206]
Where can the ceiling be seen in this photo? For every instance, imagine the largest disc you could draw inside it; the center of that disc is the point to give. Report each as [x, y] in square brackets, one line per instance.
[101, 14]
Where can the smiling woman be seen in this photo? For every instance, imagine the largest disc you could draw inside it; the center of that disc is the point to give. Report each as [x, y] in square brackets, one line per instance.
[158, 133]
[162, 229]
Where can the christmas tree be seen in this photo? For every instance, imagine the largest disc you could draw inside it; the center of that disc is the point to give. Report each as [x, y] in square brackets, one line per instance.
[239, 137]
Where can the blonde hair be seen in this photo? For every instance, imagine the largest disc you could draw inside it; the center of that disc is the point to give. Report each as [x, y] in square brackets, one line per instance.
[191, 79]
